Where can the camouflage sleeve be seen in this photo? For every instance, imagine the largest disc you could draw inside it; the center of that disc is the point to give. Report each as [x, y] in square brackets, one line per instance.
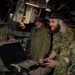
[65, 53]
[46, 38]
[3, 33]
[61, 68]
[72, 49]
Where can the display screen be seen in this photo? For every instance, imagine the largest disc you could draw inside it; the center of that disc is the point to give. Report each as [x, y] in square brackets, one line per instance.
[12, 53]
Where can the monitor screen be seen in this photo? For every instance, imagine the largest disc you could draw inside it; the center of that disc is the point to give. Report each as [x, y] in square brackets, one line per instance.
[12, 53]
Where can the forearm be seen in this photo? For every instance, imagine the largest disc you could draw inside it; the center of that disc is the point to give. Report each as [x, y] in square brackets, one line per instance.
[52, 55]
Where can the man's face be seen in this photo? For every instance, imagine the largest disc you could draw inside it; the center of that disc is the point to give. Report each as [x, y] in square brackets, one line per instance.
[36, 23]
[54, 24]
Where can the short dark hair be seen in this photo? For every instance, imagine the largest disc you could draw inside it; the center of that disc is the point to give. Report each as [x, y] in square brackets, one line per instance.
[57, 15]
[38, 20]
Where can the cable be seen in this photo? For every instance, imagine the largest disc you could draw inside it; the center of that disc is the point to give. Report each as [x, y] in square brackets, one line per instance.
[61, 6]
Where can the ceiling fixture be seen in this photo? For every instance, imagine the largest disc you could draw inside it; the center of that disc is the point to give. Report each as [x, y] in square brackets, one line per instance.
[31, 4]
[37, 3]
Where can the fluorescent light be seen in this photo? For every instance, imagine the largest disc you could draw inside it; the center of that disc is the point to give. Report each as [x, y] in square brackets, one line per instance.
[32, 4]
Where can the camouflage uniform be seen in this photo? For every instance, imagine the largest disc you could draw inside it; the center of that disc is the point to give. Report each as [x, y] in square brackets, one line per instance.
[71, 70]
[40, 42]
[61, 42]
[72, 49]
[3, 33]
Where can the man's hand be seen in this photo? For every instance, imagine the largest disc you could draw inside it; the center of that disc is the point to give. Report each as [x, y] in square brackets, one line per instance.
[41, 61]
[51, 63]
[46, 59]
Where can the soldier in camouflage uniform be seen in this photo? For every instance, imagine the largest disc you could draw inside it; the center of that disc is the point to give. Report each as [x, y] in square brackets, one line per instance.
[62, 39]
[40, 41]
[4, 31]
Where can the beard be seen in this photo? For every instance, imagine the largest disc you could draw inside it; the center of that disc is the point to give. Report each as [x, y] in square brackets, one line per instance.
[56, 29]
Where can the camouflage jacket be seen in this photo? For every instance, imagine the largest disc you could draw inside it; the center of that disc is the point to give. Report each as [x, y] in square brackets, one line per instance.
[72, 49]
[40, 42]
[4, 31]
[61, 43]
